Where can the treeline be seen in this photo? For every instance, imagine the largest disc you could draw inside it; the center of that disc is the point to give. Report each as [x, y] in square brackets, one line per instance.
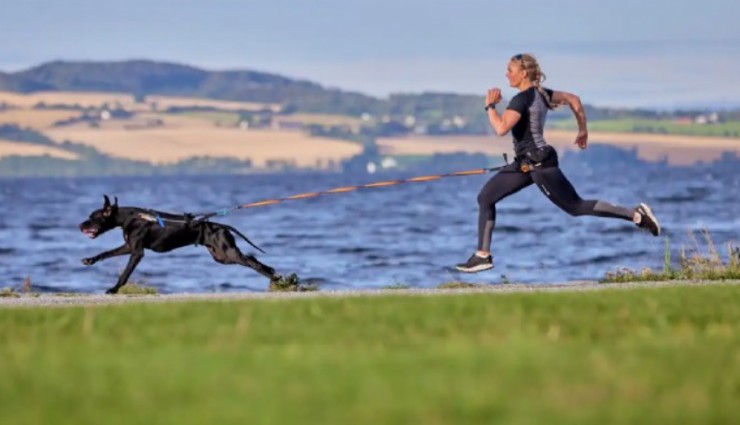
[442, 112]
[144, 77]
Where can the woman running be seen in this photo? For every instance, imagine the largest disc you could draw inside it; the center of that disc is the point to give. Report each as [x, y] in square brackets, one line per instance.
[536, 161]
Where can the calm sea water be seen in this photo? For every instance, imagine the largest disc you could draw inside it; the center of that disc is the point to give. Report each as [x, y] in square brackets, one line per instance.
[409, 234]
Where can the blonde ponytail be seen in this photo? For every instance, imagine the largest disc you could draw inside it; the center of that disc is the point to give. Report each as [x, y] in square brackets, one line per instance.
[529, 63]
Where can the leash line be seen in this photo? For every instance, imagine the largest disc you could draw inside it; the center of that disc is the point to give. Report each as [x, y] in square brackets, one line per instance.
[195, 218]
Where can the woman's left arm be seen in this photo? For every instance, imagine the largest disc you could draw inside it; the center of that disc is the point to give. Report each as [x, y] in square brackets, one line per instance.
[574, 102]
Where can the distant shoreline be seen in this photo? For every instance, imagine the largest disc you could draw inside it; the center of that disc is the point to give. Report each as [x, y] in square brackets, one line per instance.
[235, 138]
[678, 150]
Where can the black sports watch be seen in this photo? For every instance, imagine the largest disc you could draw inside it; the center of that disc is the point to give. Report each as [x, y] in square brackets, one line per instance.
[490, 106]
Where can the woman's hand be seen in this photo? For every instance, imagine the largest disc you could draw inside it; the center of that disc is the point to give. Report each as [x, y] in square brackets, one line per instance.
[582, 139]
[493, 96]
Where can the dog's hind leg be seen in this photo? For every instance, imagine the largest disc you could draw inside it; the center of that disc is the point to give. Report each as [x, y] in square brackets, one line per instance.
[261, 268]
[232, 255]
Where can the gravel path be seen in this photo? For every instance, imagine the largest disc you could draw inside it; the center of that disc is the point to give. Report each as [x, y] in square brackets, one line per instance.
[53, 300]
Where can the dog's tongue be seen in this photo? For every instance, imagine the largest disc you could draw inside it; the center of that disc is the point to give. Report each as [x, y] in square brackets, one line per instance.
[90, 233]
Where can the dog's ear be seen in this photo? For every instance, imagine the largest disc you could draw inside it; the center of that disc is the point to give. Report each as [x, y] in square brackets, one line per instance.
[108, 209]
[115, 204]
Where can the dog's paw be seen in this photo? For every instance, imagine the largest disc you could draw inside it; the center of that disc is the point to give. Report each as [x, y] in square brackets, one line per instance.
[112, 291]
[88, 261]
[290, 283]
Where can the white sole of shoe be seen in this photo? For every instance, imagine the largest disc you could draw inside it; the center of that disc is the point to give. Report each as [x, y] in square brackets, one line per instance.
[649, 213]
[478, 268]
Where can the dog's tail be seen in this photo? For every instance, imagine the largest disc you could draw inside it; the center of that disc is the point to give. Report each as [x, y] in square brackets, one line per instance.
[233, 229]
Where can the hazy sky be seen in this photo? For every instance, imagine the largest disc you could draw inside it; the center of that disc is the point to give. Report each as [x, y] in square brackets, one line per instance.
[619, 52]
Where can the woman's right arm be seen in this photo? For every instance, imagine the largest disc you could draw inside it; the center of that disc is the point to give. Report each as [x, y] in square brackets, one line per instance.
[574, 102]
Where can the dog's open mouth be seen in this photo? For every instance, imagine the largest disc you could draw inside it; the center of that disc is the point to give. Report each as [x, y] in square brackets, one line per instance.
[92, 233]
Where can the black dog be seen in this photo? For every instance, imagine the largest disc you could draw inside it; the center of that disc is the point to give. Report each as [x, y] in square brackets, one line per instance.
[163, 232]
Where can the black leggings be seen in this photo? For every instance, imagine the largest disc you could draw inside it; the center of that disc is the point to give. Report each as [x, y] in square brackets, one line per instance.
[552, 182]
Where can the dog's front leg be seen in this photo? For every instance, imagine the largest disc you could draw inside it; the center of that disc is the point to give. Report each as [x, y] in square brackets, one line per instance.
[133, 261]
[121, 250]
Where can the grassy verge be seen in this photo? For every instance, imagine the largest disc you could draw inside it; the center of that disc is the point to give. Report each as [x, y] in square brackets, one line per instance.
[457, 285]
[707, 265]
[140, 288]
[643, 355]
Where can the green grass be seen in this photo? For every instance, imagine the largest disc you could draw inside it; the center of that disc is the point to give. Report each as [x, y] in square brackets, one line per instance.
[644, 355]
[654, 126]
[458, 285]
[132, 288]
[397, 286]
[707, 265]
